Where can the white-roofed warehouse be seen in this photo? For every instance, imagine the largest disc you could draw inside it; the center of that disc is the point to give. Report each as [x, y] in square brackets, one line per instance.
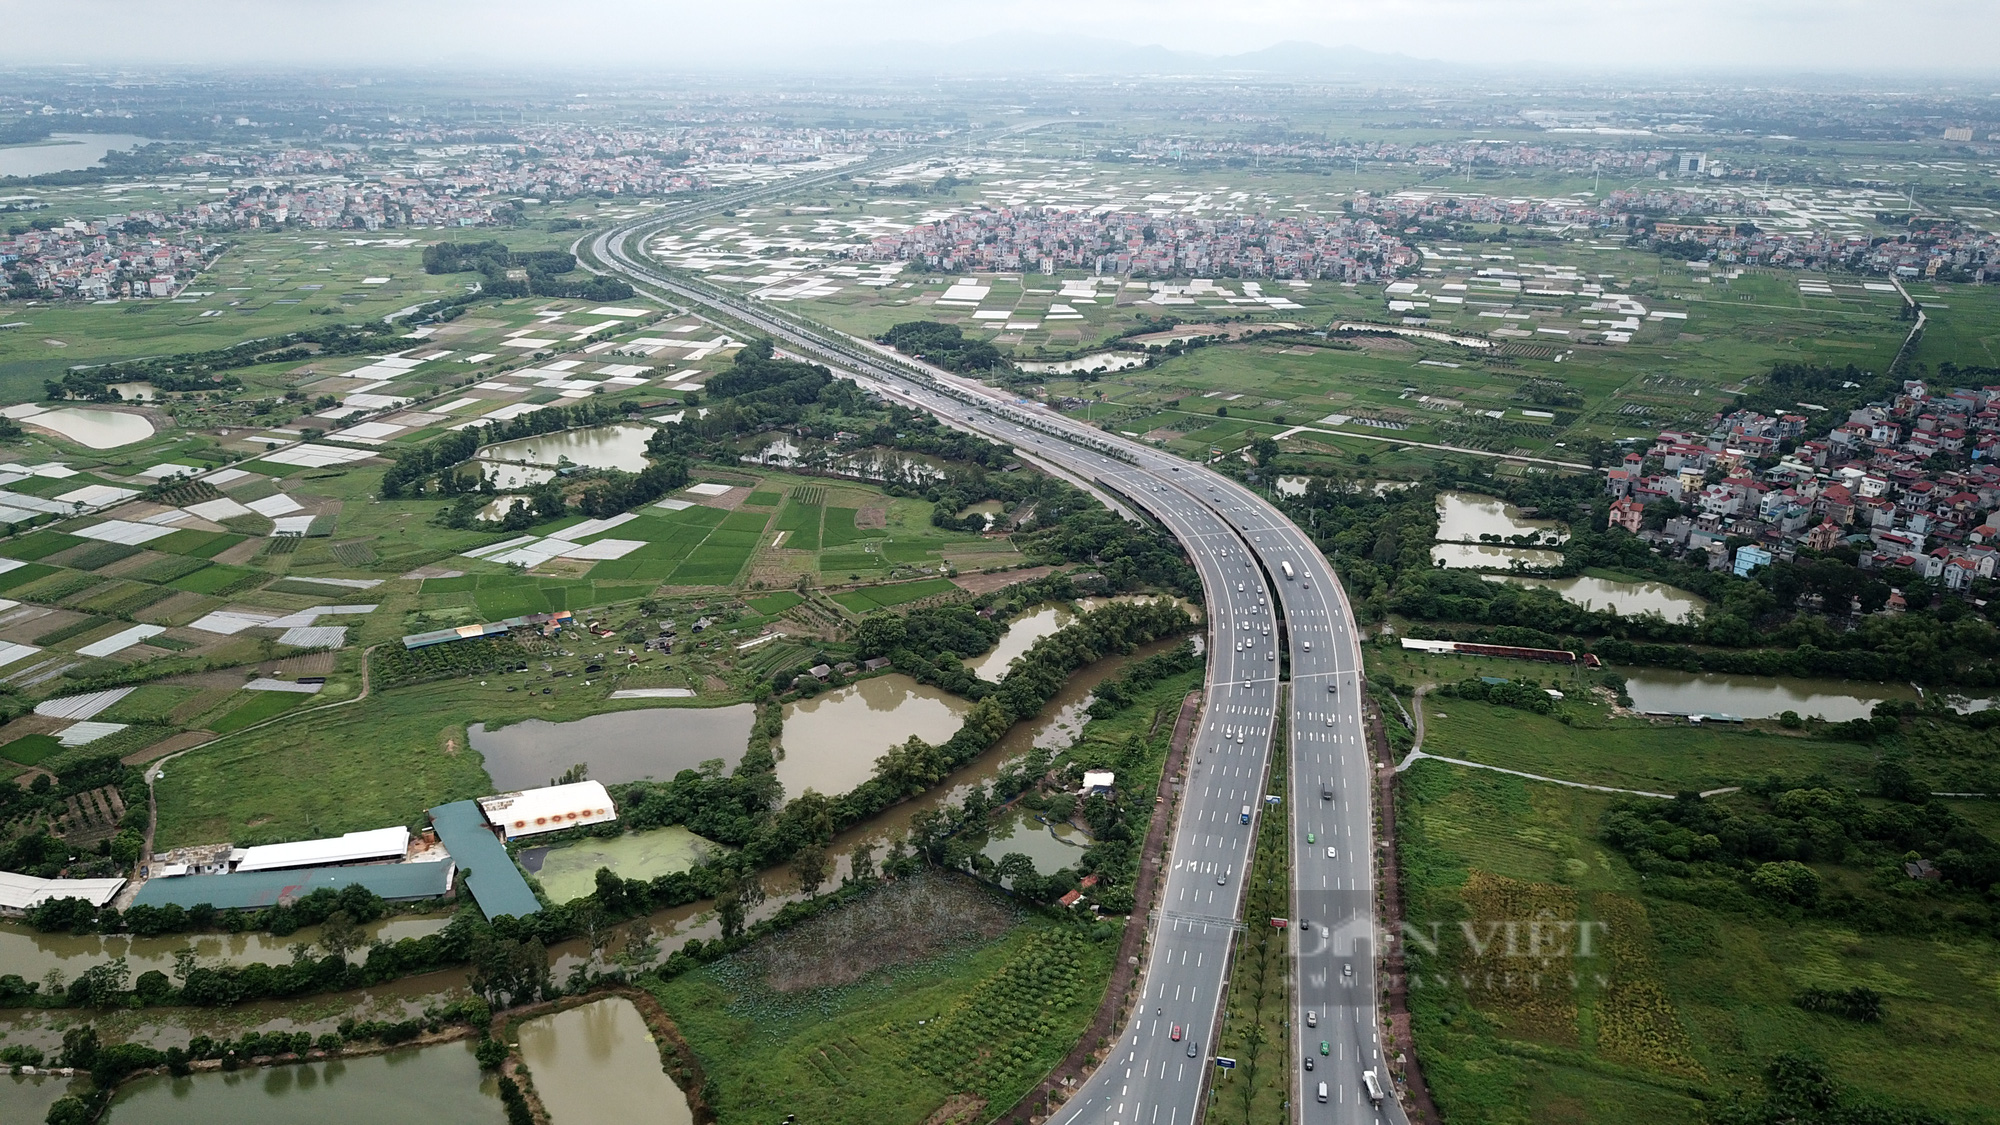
[25, 892]
[549, 809]
[376, 845]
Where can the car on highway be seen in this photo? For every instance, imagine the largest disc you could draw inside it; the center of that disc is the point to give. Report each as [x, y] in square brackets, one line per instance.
[1311, 838]
[1194, 1049]
[1175, 1034]
[1325, 1048]
[1312, 1019]
[1322, 1091]
[1347, 970]
[1222, 879]
[1309, 1062]
[1330, 853]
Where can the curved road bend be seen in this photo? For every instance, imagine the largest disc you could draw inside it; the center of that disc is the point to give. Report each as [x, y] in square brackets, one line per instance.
[1238, 542]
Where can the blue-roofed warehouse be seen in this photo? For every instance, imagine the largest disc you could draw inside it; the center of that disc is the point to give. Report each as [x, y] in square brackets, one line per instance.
[253, 890]
[496, 884]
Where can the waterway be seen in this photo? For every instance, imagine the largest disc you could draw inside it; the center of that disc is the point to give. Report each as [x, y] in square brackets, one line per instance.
[600, 1063]
[1630, 599]
[832, 740]
[617, 745]
[64, 152]
[33, 955]
[1755, 697]
[621, 445]
[439, 1085]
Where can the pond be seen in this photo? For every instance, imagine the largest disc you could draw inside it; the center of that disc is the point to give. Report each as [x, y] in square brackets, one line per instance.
[439, 1085]
[98, 429]
[135, 392]
[569, 872]
[1478, 556]
[32, 954]
[1101, 361]
[1019, 636]
[64, 152]
[617, 746]
[1630, 599]
[1058, 725]
[618, 446]
[1292, 486]
[832, 740]
[27, 1098]
[1465, 516]
[1755, 697]
[509, 477]
[599, 1063]
[1052, 847]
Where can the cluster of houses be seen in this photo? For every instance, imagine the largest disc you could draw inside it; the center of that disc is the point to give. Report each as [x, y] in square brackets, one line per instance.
[101, 260]
[1145, 244]
[1874, 482]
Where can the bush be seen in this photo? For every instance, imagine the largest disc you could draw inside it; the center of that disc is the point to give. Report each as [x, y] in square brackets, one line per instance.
[490, 1053]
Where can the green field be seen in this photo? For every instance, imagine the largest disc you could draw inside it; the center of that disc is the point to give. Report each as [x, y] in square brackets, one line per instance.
[870, 598]
[1726, 979]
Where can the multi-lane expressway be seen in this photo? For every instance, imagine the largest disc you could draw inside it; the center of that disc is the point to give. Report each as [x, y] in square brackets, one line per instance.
[1275, 609]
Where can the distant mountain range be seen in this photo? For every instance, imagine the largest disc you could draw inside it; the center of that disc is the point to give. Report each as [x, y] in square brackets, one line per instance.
[1030, 54]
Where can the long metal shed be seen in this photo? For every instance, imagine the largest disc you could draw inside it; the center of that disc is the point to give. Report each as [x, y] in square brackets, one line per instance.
[496, 884]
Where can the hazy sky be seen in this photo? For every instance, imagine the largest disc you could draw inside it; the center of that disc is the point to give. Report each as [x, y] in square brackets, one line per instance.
[1912, 36]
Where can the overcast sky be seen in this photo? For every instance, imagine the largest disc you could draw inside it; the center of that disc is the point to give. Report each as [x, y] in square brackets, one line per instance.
[1874, 36]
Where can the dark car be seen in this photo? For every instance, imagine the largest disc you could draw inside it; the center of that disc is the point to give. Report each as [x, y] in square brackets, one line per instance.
[1309, 1062]
[1194, 1049]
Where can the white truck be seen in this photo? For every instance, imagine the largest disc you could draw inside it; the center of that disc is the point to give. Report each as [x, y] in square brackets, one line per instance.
[1287, 568]
[1373, 1086]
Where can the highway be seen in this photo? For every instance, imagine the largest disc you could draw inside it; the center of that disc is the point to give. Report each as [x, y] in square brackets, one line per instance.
[1263, 625]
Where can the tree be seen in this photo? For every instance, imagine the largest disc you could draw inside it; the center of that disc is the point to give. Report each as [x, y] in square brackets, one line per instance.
[1787, 881]
[810, 865]
[1263, 450]
[80, 1047]
[341, 935]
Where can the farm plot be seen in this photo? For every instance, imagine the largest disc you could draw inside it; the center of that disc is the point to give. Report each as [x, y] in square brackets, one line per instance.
[890, 1005]
[868, 599]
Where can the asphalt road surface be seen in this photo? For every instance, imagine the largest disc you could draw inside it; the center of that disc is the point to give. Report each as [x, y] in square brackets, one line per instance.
[1263, 625]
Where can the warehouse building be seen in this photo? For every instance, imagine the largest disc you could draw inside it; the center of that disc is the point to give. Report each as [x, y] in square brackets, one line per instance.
[22, 893]
[255, 890]
[379, 845]
[549, 809]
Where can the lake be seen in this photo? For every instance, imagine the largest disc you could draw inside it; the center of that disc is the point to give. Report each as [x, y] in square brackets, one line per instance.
[1627, 598]
[832, 740]
[618, 746]
[1755, 697]
[600, 1063]
[439, 1085]
[509, 477]
[64, 152]
[621, 445]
